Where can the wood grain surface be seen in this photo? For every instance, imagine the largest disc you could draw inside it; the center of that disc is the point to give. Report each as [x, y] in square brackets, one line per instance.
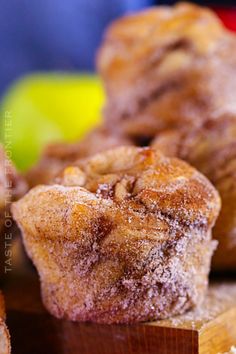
[209, 330]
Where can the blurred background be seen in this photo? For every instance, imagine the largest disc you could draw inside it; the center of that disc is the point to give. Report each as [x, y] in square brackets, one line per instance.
[56, 41]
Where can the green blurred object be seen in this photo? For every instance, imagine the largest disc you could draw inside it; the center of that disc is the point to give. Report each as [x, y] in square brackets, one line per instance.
[50, 107]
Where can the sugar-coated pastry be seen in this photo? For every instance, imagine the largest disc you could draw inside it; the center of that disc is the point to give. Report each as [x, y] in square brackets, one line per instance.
[5, 345]
[212, 150]
[167, 67]
[12, 185]
[124, 236]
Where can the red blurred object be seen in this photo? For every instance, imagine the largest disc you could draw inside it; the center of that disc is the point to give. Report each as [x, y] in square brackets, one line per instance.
[228, 16]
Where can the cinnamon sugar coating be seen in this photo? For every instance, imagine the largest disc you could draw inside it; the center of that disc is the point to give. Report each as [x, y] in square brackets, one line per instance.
[212, 150]
[167, 67]
[57, 156]
[124, 236]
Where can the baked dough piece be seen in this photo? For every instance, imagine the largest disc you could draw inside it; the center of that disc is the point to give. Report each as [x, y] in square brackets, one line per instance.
[167, 67]
[5, 346]
[125, 236]
[12, 186]
[58, 155]
[212, 150]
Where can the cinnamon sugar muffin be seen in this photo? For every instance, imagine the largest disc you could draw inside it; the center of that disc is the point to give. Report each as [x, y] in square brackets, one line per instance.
[212, 150]
[163, 67]
[123, 236]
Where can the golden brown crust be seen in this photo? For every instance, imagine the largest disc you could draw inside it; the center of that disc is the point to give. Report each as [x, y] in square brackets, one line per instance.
[5, 346]
[58, 155]
[211, 149]
[162, 68]
[124, 236]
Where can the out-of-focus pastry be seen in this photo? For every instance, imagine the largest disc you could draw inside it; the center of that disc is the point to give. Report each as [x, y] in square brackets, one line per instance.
[212, 150]
[5, 346]
[124, 236]
[12, 186]
[58, 155]
[167, 67]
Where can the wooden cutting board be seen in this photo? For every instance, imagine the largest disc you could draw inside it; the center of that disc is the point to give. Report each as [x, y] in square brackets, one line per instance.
[210, 329]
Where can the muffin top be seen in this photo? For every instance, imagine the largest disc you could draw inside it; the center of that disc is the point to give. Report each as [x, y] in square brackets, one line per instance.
[127, 187]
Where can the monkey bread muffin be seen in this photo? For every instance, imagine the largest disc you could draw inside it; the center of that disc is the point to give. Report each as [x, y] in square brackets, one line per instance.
[212, 150]
[162, 68]
[123, 236]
